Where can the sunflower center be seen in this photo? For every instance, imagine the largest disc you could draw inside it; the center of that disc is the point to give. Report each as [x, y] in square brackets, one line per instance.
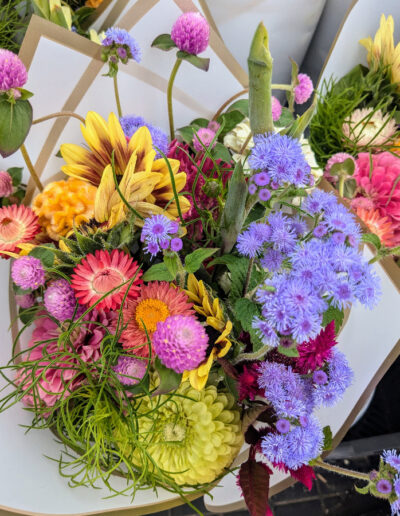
[174, 432]
[149, 312]
[107, 279]
[10, 230]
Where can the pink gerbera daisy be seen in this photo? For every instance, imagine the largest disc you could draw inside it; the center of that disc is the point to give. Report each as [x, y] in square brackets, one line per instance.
[18, 224]
[156, 302]
[102, 272]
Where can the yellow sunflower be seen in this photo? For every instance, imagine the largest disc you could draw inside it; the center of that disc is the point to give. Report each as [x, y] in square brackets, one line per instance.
[210, 308]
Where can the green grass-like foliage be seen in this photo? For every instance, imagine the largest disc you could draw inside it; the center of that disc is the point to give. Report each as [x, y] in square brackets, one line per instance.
[14, 20]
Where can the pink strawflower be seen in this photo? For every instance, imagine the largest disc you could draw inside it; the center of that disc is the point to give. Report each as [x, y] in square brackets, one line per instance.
[204, 137]
[60, 300]
[180, 342]
[339, 157]
[381, 185]
[18, 225]
[366, 127]
[190, 33]
[28, 273]
[6, 185]
[315, 352]
[304, 89]
[130, 370]
[12, 71]
[25, 300]
[362, 203]
[276, 108]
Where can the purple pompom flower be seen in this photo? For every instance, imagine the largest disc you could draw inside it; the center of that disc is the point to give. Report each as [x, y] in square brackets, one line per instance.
[384, 486]
[157, 233]
[264, 194]
[283, 426]
[304, 89]
[59, 300]
[180, 342]
[190, 33]
[320, 231]
[176, 244]
[28, 273]
[12, 71]
[320, 377]
[25, 300]
[116, 38]
[261, 179]
[272, 260]
[130, 370]
[276, 108]
[395, 507]
[397, 485]
[203, 137]
[130, 124]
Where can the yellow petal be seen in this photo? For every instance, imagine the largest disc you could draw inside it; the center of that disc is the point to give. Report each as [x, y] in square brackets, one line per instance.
[118, 142]
[142, 144]
[103, 195]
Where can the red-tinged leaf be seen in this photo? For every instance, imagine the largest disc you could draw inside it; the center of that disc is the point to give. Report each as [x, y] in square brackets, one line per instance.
[253, 479]
[305, 475]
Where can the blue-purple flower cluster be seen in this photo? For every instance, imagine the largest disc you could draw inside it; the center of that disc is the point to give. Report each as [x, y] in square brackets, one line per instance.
[330, 386]
[390, 464]
[125, 46]
[281, 161]
[160, 233]
[130, 124]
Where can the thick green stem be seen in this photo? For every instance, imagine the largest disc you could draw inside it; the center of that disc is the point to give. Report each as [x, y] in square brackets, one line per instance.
[260, 74]
[342, 471]
[341, 185]
[117, 99]
[286, 87]
[31, 168]
[257, 355]
[169, 97]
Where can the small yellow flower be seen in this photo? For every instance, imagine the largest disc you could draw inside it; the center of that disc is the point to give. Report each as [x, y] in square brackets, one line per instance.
[210, 308]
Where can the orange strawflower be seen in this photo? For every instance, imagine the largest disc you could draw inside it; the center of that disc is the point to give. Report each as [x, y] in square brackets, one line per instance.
[380, 226]
[93, 3]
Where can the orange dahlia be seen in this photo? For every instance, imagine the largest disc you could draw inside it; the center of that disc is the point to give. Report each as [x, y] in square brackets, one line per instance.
[63, 204]
[18, 225]
[102, 272]
[380, 226]
[156, 302]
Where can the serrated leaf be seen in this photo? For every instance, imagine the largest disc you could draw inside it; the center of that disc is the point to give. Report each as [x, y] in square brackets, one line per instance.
[289, 352]
[15, 122]
[203, 63]
[253, 479]
[193, 261]
[245, 311]
[157, 272]
[45, 255]
[333, 314]
[187, 134]
[171, 262]
[163, 42]
[16, 174]
[371, 238]
[327, 438]
[241, 105]
[87, 245]
[169, 380]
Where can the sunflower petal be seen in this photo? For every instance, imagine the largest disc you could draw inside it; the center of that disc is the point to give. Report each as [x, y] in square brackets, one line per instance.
[103, 195]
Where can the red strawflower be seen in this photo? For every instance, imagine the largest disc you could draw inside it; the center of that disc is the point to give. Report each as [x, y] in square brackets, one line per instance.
[315, 352]
[102, 272]
[248, 385]
[18, 225]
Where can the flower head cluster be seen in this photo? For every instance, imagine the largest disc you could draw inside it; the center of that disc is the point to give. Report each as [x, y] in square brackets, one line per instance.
[28, 273]
[60, 300]
[130, 124]
[119, 45]
[190, 33]
[304, 89]
[366, 127]
[276, 108]
[281, 158]
[12, 71]
[158, 233]
[130, 370]
[6, 184]
[330, 386]
[203, 138]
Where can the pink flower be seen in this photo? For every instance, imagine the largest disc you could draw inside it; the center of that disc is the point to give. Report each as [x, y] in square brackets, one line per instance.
[12, 71]
[276, 108]
[6, 186]
[248, 385]
[203, 138]
[304, 89]
[190, 33]
[315, 352]
[25, 300]
[339, 157]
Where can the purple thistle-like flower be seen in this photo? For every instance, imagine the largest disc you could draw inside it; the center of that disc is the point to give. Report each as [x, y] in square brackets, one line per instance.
[176, 244]
[12, 71]
[266, 333]
[392, 458]
[395, 507]
[153, 248]
[190, 33]
[130, 370]
[157, 228]
[59, 300]
[130, 124]
[28, 273]
[180, 342]
[275, 447]
[272, 260]
[305, 443]
[298, 225]
[338, 238]
[384, 486]
[276, 108]
[319, 201]
[121, 38]
[320, 377]
[25, 300]
[252, 188]
[320, 231]
[283, 426]
[340, 378]
[396, 485]
[203, 138]
[264, 195]
[251, 241]
[261, 179]
[304, 89]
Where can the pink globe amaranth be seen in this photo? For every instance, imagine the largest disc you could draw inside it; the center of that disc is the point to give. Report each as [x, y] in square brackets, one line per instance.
[12, 71]
[381, 185]
[204, 137]
[191, 33]
[25, 300]
[6, 185]
[304, 89]
[130, 370]
[59, 300]
[276, 108]
[339, 157]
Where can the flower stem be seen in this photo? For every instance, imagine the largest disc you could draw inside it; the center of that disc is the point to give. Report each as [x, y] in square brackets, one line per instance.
[169, 97]
[286, 87]
[59, 114]
[248, 276]
[341, 185]
[31, 168]
[229, 101]
[257, 355]
[117, 99]
[245, 144]
[342, 471]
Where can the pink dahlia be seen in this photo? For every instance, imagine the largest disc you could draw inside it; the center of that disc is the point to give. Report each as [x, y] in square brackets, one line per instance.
[276, 108]
[99, 273]
[315, 352]
[12, 71]
[130, 370]
[190, 33]
[6, 185]
[339, 157]
[180, 342]
[304, 89]
[156, 302]
[381, 185]
[60, 300]
[203, 138]
[18, 225]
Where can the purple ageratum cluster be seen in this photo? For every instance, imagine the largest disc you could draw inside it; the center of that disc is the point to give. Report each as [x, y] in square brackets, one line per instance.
[329, 387]
[390, 464]
[12, 71]
[121, 45]
[130, 370]
[304, 89]
[281, 158]
[28, 273]
[191, 33]
[130, 124]
[180, 342]
[158, 234]
[59, 300]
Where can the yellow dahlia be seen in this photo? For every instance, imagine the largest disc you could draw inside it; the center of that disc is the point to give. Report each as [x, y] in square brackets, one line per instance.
[63, 204]
[192, 437]
[210, 308]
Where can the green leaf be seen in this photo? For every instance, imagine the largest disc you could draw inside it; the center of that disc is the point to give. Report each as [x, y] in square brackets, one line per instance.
[301, 123]
[229, 120]
[26, 315]
[289, 352]
[241, 105]
[285, 119]
[371, 238]
[163, 42]
[231, 385]
[171, 262]
[327, 438]
[333, 314]
[16, 174]
[187, 134]
[245, 311]
[193, 261]
[346, 168]
[257, 213]
[238, 268]
[157, 272]
[200, 122]
[221, 152]
[141, 388]
[25, 94]
[202, 63]
[87, 245]
[169, 380]
[349, 188]
[45, 255]
[362, 490]
[15, 122]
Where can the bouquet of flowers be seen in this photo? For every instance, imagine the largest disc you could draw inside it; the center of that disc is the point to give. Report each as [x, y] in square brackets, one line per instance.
[354, 135]
[181, 298]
